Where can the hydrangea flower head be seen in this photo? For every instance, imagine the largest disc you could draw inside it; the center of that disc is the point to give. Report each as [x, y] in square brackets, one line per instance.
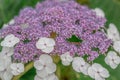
[63, 28]
[33, 27]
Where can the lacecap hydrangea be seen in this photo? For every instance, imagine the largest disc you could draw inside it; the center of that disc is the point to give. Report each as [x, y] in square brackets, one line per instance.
[63, 28]
[63, 20]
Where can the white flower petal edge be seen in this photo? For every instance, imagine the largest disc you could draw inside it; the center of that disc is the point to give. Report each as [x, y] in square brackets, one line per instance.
[5, 61]
[10, 41]
[6, 51]
[66, 59]
[6, 74]
[116, 46]
[79, 65]
[17, 68]
[45, 44]
[97, 72]
[99, 12]
[10, 23]
[112, 59]
[49, 77]
[113, 33]
[45, 66]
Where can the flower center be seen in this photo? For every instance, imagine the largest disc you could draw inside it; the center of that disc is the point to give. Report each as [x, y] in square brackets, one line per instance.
[10, 41]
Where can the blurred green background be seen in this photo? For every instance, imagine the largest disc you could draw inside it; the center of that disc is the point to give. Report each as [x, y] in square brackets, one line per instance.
[10, 8]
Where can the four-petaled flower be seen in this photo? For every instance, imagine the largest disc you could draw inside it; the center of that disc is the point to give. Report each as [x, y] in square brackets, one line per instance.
[79, 65]
[46, 44]
[66, 58]
[44, 66]
[112, 59]
[17, 68]
[10, 41]
[97, 72]
[113, 33]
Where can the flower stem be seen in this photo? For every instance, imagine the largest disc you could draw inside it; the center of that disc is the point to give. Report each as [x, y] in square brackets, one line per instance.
[27, 68]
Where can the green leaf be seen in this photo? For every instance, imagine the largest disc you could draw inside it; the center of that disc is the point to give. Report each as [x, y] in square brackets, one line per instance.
[29, 75]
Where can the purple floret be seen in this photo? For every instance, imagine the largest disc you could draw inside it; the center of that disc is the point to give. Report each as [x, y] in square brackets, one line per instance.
[65, 19]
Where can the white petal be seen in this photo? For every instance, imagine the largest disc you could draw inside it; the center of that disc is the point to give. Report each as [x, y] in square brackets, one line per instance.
[17, 68]
[84, 69]
[46, 58]
[96, 66]
[21, 67]
[66, 63]
[13, 66]
[112, 53]
[116, 46]
[7, 74]
[50, 68]
[48, 49]
[46, 44]
[40, 46]
[91, 72]
[7, 51]
[79, 60]
[98, 77]
[99, 12]
[113, 65]
[11, 22]
[105, 73]
[2, 66]
[5, 61]
[14, 72]
[42, 73]
[42, 40]
[52, 77]
[50, 42]
[117, 60]
[10, 41]
[113, 32]
[76, 64]
[66, 57]
[107, 60]
[38, 65]
[37, 78]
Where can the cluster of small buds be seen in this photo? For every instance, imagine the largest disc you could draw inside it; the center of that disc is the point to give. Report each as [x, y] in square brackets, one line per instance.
[38, 33]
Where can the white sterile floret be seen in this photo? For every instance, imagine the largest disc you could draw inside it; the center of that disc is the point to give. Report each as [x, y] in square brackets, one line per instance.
[113, 33]
[6, 74]
[6, 51]
[10, 41]
[17, 68]
[97, 72]
[5, 61]
[49, 77]
[66, 58]
[99, 12]
[44, 66]
[112, 59]
[79, 65]
[10, 23]
[116, 46]
[46, 44]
